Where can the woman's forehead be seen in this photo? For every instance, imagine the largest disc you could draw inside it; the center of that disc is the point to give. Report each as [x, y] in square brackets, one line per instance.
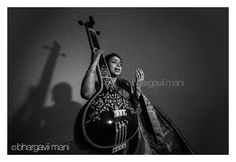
[115, 58]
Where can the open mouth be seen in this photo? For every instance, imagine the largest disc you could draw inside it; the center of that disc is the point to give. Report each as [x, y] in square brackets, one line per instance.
[117, 70]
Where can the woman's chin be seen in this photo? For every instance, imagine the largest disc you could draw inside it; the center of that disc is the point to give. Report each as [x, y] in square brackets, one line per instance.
[115, 74]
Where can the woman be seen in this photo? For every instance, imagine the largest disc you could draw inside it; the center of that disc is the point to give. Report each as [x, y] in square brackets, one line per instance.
[114, 63]
[156, 133]
[132, 93]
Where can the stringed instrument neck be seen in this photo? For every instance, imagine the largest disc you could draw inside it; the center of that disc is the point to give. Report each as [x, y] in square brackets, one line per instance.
[109, 120]
[102, 69]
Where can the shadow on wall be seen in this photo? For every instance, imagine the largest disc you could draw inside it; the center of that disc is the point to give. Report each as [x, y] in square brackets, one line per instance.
[45, 126]
[34, 125]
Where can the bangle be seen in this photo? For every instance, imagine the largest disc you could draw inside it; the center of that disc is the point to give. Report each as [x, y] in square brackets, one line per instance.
[138, 92]
[90, 70]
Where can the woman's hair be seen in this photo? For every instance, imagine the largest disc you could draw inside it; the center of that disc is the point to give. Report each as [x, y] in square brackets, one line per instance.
[107, 57]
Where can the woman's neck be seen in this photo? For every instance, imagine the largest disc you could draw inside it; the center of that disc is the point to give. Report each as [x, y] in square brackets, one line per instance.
[114, 79]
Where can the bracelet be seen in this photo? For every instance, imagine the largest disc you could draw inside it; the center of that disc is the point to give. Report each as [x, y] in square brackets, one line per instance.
[137, 92]
[92, 71]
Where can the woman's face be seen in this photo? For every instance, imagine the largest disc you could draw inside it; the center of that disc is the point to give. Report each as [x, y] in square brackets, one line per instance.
[115, 66]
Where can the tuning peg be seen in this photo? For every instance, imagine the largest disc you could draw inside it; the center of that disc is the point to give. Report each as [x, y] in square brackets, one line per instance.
[92, 22]
[80, 22]
[98, 32]
[63, 55]
[46, 47]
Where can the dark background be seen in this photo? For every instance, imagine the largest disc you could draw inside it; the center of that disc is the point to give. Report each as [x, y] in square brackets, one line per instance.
[189, 44]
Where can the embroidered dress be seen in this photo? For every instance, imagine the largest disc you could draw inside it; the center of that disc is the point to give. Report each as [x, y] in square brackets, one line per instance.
[156, 134]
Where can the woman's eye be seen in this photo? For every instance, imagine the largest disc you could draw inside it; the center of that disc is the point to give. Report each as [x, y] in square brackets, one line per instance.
[115, 62]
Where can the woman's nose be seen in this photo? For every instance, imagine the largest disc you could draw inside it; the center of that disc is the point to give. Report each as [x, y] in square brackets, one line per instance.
[118, 65]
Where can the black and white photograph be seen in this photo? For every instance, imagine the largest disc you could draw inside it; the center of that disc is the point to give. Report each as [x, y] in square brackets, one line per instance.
[117, 80]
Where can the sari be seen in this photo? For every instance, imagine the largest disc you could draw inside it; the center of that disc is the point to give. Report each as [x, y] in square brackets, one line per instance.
[156, 133]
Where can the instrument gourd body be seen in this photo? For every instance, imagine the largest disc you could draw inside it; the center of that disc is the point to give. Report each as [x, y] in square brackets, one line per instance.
[108, 120]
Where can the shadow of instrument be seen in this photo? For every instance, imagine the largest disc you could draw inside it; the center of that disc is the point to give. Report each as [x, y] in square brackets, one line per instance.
[108, 120]
[25, 125]
[37, 94]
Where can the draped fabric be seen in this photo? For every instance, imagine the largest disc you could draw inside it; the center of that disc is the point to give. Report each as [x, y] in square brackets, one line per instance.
[160, 133]
[156, 133]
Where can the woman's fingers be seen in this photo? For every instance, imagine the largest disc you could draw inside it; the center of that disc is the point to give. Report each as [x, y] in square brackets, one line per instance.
[97, 51]
[139, 74]
[136, 77]
[142, 74]
[138, 71]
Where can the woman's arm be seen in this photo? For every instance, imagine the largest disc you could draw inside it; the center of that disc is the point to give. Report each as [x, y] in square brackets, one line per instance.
[139, 78]
[88, 84]
[136, 88]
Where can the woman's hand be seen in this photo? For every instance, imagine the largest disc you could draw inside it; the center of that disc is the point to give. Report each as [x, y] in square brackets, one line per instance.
[88, 88]
[139, 78]
[97, 53]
